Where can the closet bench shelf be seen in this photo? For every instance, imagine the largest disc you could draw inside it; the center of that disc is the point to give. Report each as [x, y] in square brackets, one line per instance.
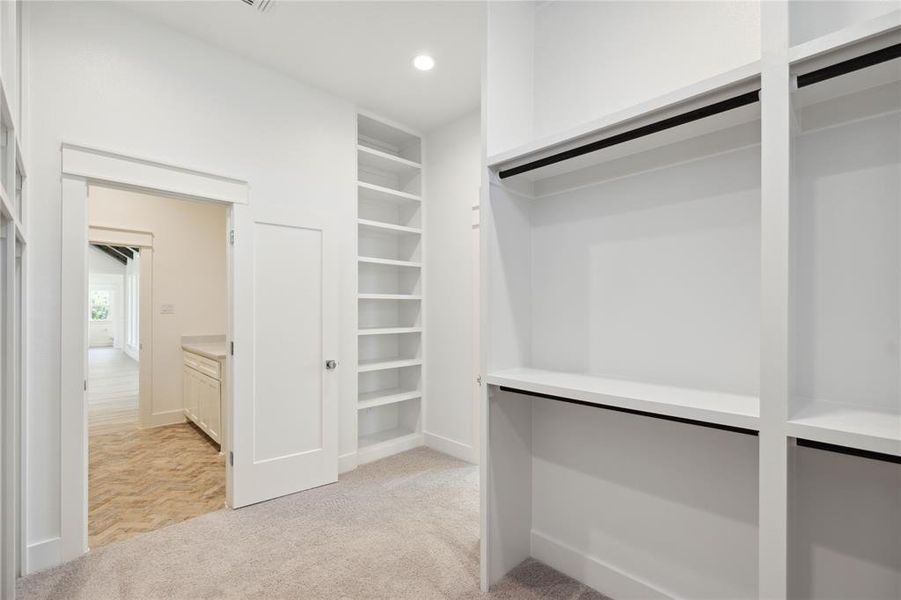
[705, 407]
[850, 425]
[388, 227]
[388, 330]
[369, 260]
[371, 191]
[366, 366]
[383, 397]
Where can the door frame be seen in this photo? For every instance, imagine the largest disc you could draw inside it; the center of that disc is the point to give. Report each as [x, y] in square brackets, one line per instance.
[82, 166]
[143, 240]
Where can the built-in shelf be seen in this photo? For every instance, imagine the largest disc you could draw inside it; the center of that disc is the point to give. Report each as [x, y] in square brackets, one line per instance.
[388, 137]
[853, 426]
[389, 297]
[376, 160]
[731, 410]
[365, 366]
[388, 227]
[373, 192]
[847, 36]
[369, 260]
[388, 330]
[384, 397]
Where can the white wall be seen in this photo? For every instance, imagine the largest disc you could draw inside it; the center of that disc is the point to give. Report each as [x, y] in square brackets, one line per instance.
[589, 59]
[189, 272]
[453, 159]
[104, 77]
[107, 273]
[812, 18]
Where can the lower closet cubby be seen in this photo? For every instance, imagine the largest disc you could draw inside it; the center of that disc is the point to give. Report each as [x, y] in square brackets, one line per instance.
[387, 429]
[845, 526]
[846, 268]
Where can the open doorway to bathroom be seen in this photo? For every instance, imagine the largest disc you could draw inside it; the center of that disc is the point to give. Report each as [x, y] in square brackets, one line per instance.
[157, 305]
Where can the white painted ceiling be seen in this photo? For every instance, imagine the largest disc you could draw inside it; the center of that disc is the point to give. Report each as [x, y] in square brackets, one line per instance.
[361, 51]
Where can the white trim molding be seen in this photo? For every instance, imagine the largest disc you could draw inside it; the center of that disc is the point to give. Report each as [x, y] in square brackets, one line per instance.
[451, 447]
[110, 167]
[42, 555]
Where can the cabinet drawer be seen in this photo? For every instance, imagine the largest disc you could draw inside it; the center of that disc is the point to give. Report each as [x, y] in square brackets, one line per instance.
[202, 364]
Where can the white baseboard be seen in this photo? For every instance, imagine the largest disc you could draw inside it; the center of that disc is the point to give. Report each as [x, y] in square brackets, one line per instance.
[169, 417]
[451, 447]
[388, 448]
[42, 555]
[347, 462]
[603, 577]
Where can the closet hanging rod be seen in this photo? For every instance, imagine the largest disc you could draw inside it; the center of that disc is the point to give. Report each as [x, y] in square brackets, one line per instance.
[632, 411]
[869, 454]
[849, 66]
[639, 132]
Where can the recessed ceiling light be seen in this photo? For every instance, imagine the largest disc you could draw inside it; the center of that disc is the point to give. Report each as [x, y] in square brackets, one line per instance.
[424, 62]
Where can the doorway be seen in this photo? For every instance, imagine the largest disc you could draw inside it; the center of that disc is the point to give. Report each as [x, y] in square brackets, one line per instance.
[157, 308]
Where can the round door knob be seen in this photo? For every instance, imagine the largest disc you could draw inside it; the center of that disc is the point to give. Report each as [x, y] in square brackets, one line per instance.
[331, 364]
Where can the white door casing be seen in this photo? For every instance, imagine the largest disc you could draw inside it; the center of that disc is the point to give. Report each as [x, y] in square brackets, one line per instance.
[284, 434]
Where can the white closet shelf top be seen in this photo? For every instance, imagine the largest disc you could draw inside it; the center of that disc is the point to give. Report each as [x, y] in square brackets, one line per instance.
[855, 34]
[390, 262]
[388, 330]
[382, 161]
[389, 297]
[371, 191]
[388, 227]
[718, 408]
[735, 81]
[381, 365]
[848, 425]
[384, 397]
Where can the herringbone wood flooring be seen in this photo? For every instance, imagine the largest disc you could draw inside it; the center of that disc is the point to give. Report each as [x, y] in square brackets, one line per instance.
[141, 479]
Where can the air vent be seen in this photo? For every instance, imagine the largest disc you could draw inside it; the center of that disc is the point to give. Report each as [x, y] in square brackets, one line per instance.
[260, 5]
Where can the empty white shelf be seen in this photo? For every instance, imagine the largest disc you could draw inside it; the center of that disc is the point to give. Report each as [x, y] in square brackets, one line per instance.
[377, 160]
[383, 397]
[388, 330]
[371, 191]
[388, 227]
[848, 425]
[719, 408]
[389, 297]
[365, 366]
[389, 262]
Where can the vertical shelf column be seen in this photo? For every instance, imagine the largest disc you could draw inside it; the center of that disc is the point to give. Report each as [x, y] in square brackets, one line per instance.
[776, 136]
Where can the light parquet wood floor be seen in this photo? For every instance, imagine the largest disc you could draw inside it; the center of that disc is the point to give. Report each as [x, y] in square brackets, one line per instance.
[142, 479]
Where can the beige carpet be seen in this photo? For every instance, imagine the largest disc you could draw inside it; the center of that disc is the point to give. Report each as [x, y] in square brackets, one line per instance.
[403, 528]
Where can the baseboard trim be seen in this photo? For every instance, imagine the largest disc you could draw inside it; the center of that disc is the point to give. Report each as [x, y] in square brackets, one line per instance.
[169, 417]
[603, 577]
[450, 447]
[347, 462]
[389, 448]
[42, 555]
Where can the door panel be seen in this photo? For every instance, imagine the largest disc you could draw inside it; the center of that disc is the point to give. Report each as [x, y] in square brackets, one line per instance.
[285, 430]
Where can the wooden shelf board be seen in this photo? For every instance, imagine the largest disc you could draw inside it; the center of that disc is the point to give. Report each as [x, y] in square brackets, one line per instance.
[719, 408]
[390, 262]
[861, 427]
[389, 297]
[388, 227]
[366, 366]
[383, 397]
[388, 330]
[388, 163]
[371, 191]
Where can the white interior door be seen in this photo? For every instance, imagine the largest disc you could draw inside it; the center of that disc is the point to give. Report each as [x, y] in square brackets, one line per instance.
[284, 434]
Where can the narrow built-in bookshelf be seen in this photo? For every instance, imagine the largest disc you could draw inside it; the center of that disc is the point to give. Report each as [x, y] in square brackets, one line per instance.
[390, 285]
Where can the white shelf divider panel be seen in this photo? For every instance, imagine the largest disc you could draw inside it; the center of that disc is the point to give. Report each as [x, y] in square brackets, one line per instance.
[389, 330]
[378, 193]
[385, 397]
[730, 410]
[365, 366]
[849, 425]
[389, 262]
[389, 228]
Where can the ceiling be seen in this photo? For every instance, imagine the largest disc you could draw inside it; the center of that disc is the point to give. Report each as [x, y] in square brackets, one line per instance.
[361, 51]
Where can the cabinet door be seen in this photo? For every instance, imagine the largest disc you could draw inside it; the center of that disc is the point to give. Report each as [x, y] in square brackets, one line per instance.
[188, 391]
[214, 407]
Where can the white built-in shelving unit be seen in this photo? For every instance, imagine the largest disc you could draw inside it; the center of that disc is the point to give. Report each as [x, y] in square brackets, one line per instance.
[390, 285]
[684, 300]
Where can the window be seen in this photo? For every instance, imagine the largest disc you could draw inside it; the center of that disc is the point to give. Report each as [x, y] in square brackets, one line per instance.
[100, 305]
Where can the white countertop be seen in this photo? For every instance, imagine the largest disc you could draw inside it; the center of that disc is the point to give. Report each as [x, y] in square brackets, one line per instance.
[213, 350]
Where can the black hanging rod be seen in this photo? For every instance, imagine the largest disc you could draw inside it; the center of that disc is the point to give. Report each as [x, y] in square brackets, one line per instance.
[632, 411]
[639, 132]
[869, 454]
[849, 66]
